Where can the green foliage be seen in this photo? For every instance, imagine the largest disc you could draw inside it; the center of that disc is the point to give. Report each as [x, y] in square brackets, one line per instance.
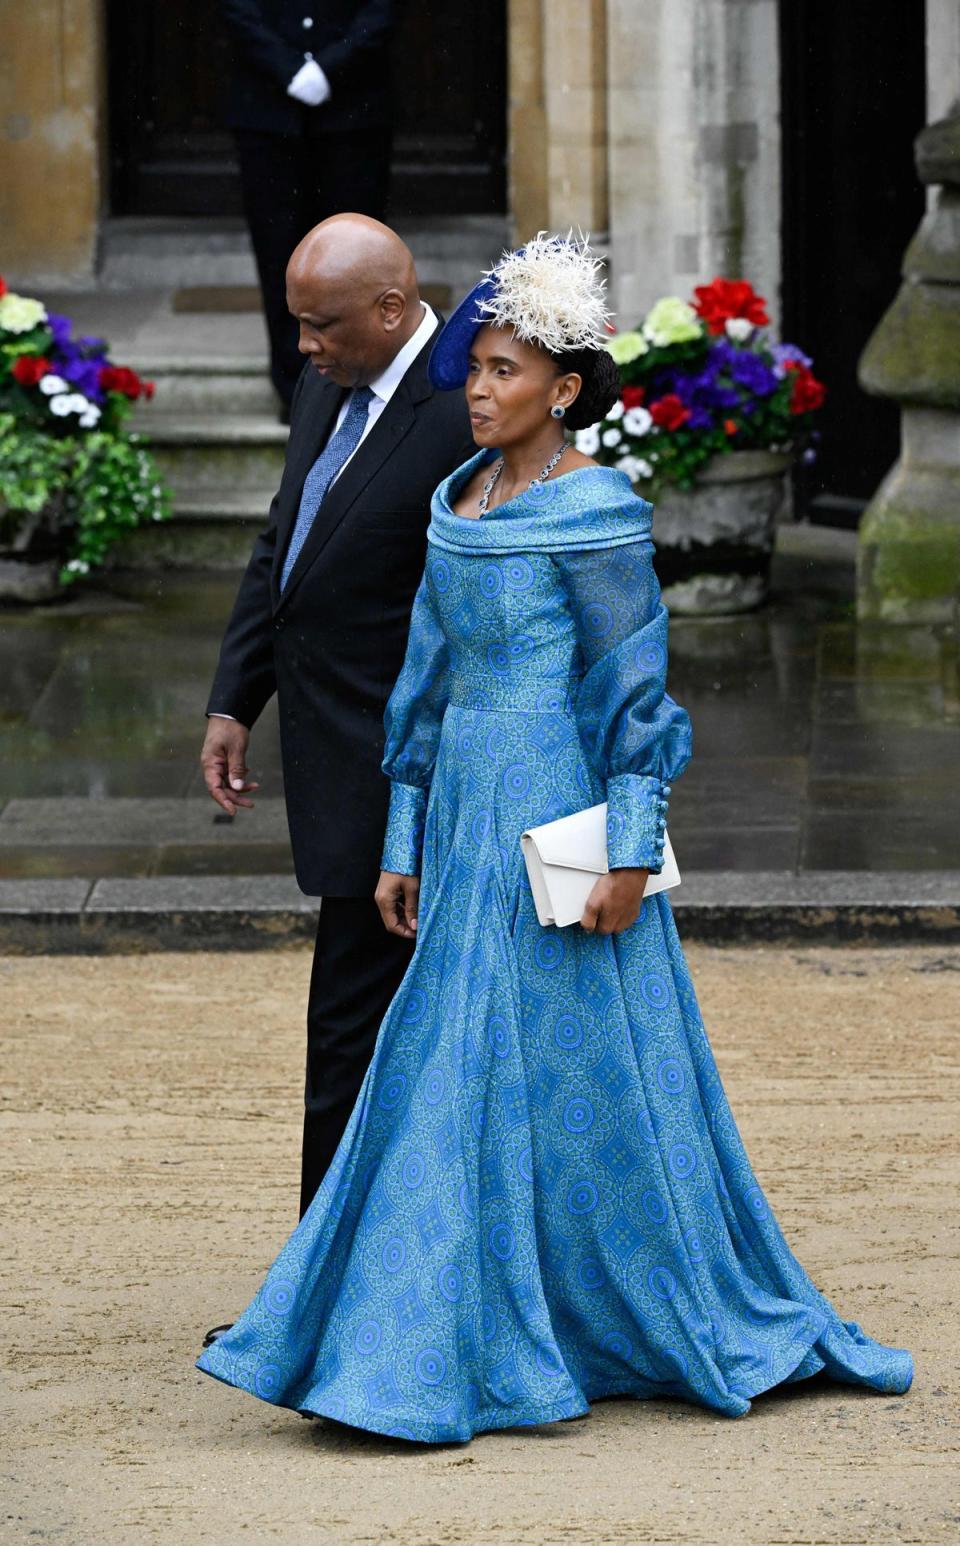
[76, 494]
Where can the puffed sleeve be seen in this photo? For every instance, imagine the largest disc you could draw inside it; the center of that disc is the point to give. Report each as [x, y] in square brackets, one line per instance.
[636, 736]
[412, 721]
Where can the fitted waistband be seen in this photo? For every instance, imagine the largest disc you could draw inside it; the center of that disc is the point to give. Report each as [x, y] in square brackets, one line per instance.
[520, 694]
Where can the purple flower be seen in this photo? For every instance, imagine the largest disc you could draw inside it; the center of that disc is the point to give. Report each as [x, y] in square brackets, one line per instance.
[84, 375]
[782, 353]
[60, 328]
[753, 373]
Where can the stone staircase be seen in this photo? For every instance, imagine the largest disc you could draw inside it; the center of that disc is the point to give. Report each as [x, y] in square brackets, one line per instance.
[217, 439]
[213, 423]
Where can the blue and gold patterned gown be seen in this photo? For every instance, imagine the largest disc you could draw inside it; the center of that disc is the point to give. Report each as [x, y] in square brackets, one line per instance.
[542, 1197]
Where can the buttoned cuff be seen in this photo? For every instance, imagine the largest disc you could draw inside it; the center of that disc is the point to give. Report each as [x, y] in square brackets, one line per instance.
[406, 819]
[636, 822]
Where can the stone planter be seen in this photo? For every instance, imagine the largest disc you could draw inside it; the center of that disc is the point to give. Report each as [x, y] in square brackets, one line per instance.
[714, 542]
[32, 554]
[28, 579]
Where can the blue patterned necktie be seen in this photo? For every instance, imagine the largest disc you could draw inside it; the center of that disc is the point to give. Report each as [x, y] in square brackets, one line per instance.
[321, 474]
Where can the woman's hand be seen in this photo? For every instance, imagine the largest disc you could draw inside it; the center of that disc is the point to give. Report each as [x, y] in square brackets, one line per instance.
[397, 897]
[614, 903]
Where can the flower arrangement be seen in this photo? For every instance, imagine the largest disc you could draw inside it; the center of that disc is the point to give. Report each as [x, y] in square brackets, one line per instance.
[700, 380]
[72, 477]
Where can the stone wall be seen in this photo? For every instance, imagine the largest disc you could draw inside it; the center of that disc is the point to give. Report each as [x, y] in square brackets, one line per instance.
[694, 146]
[51, 86]
[557, 116]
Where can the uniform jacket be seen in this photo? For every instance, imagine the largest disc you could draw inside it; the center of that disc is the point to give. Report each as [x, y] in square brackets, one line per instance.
[349, 39]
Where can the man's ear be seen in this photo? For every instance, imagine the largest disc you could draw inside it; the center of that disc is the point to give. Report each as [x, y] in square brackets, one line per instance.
[393, 306]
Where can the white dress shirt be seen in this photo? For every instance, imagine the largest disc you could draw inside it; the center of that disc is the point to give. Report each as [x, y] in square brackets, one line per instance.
[383, 388]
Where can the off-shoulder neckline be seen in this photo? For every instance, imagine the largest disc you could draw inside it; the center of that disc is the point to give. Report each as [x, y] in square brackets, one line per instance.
[468, 468]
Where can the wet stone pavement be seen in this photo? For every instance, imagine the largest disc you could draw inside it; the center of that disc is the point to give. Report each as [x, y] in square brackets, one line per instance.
[820, 744]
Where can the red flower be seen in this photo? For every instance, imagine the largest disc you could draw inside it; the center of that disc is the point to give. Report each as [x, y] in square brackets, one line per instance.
[669, 412]
[28, 369]
[119, 378]
[730, 426]
[3, 286]
[807, 392]
[726, 298]
[632, 396]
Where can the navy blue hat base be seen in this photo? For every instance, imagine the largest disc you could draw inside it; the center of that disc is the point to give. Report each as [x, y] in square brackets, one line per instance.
[449, 361]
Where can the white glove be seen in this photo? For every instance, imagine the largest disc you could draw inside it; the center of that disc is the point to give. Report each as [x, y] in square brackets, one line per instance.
[309, 85]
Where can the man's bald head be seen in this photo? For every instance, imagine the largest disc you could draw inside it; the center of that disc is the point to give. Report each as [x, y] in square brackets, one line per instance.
[352, 286]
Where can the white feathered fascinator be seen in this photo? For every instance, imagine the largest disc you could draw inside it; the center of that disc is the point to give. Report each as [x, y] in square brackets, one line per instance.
[551, 292]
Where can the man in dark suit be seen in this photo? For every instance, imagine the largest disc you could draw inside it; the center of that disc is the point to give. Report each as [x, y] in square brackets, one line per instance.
[311, 114]
[321, 618]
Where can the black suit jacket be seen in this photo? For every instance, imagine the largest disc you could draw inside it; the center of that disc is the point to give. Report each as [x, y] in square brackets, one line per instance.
[332, 645]
[349, 39]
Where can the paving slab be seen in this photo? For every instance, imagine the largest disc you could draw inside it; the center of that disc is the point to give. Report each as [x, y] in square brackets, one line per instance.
[184, 912]
[171, 822]
[47, 896]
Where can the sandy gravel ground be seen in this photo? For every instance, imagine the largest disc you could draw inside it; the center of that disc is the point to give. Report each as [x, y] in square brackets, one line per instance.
[149, 1172]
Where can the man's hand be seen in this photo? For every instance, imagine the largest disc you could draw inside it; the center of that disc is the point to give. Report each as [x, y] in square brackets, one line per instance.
[224, 763]
[614, 903]
[397, 897]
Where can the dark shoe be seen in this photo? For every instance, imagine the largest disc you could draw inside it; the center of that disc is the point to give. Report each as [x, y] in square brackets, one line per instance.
[215, 1333]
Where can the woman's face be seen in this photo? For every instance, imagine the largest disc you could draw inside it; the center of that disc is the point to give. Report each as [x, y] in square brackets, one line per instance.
[511, 387]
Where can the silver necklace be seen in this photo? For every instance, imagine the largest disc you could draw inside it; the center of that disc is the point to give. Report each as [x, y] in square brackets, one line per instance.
[541, 477]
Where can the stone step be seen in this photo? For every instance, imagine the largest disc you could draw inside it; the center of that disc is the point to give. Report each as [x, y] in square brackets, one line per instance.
[212, 454]
[174, 254]
[214, 386]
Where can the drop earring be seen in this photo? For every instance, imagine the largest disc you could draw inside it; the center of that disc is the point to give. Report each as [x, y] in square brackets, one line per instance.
[557, 411]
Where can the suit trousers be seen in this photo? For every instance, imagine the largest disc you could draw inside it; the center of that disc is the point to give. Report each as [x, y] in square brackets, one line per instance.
[357, 969]
[289, 184]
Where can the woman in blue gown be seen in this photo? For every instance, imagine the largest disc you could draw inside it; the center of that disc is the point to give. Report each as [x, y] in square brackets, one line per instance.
[542, 1197]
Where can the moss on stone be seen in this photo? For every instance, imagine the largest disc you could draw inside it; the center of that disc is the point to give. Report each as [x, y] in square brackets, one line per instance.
[914, 354]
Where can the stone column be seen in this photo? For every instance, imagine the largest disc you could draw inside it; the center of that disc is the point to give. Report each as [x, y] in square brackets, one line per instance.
[558, 116]
[909, 545]
[51, 85]
[694, 115]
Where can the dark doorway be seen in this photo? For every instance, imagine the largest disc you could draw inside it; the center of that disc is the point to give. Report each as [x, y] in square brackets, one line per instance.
[853, 98]
[169, 64]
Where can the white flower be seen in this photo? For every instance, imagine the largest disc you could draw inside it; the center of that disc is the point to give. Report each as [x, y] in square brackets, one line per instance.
[611, 436]
[90, 418]
[616, 412]
[78, 403]
[738, 328]
[61, 405]
[635, 468]
[20, 314]
[54, 384]
[587, 440]
[637, 421]
[78, 566]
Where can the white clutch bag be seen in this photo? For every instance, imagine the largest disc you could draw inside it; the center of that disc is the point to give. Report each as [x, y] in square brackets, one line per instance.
[565, 857]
